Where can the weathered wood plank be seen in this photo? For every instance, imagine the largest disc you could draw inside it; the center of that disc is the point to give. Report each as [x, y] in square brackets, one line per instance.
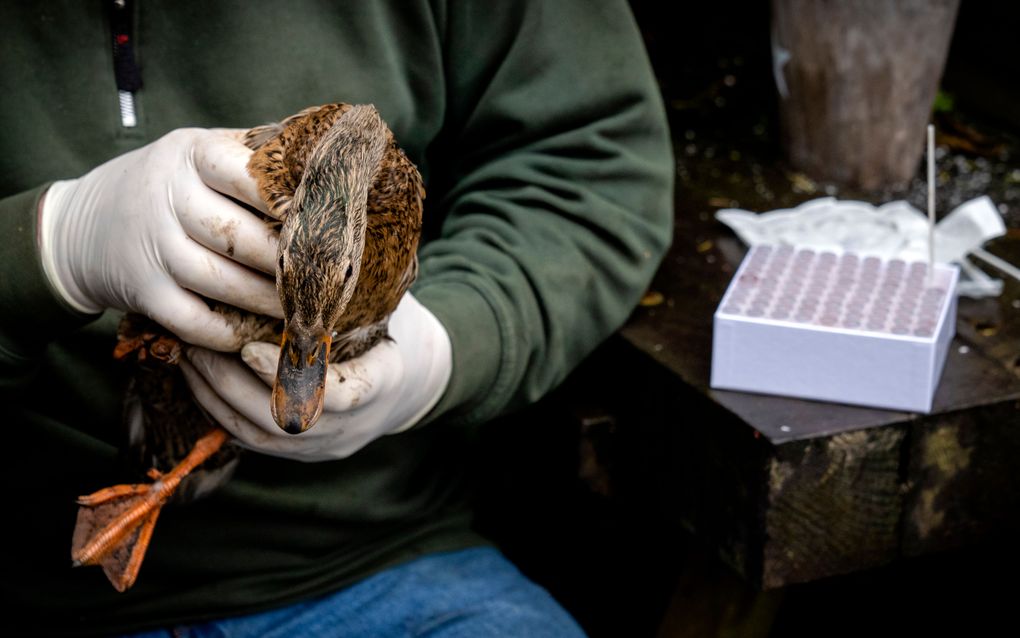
[797, 510]
[961, 480]
[834, 505]
[792, 511]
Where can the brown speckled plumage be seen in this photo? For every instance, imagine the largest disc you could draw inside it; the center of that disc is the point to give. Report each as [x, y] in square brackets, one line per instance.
[394, 205]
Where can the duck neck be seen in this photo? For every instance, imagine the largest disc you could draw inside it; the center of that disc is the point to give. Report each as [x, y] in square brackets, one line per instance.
[325, 232]
[340, 172]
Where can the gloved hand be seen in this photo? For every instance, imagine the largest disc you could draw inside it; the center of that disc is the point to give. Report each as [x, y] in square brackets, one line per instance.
[386, 390]
[147, 230]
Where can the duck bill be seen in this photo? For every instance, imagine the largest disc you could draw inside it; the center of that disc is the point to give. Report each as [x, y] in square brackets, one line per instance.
[300, 379]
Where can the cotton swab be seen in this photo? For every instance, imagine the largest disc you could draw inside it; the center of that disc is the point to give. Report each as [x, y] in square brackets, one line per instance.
[931, 200]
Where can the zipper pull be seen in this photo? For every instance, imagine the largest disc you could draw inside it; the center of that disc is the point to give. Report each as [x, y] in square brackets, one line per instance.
[125, 67]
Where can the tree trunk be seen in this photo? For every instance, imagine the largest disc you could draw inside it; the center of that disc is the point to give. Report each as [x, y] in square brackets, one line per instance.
[858, 83]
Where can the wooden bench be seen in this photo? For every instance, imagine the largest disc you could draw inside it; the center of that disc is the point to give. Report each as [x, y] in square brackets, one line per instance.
[791, 491]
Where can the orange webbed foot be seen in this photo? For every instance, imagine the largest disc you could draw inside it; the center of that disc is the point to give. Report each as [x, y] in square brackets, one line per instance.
[115, 524]
[113, 530]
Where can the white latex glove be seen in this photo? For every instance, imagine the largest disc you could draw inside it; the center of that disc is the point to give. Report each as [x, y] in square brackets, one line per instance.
[147, 230]
[386, 390]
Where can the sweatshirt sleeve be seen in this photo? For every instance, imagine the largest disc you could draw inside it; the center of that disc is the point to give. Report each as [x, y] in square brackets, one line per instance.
[31, 315]
[554, 179]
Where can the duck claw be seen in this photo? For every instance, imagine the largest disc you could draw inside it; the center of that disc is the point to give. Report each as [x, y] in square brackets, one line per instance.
[109, 493]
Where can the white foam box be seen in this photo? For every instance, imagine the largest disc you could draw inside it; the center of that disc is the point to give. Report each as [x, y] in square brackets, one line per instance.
[835, 327]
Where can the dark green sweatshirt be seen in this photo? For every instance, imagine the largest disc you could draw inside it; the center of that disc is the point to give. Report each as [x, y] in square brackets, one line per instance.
[540, 133]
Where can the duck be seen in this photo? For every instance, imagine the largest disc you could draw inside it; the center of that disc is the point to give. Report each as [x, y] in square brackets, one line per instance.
[347, 203]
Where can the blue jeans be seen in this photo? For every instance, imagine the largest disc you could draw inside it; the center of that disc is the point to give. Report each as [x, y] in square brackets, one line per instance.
[472, 593]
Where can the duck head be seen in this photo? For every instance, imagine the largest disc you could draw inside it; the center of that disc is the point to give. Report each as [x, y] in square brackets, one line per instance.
[319, 259]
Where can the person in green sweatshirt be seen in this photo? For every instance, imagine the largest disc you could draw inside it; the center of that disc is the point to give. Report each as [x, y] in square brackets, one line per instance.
[539, 131]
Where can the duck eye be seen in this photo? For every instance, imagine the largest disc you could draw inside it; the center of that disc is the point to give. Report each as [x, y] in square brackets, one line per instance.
[350, 271]
[280, 263]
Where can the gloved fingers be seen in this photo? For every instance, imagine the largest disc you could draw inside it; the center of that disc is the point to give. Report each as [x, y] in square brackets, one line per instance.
[350, 384]
[246, 432]
[188, 316]
[217, 277]
[249, 395]
[360, 381]
[236, 386]
[262, 358]
[326, 441]
[425, 345]
[222, 163]
[220, 224]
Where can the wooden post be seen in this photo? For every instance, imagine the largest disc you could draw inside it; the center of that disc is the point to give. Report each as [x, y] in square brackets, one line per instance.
[858, 83]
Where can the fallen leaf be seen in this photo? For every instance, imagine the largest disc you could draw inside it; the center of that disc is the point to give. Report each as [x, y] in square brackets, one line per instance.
[651, 299]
